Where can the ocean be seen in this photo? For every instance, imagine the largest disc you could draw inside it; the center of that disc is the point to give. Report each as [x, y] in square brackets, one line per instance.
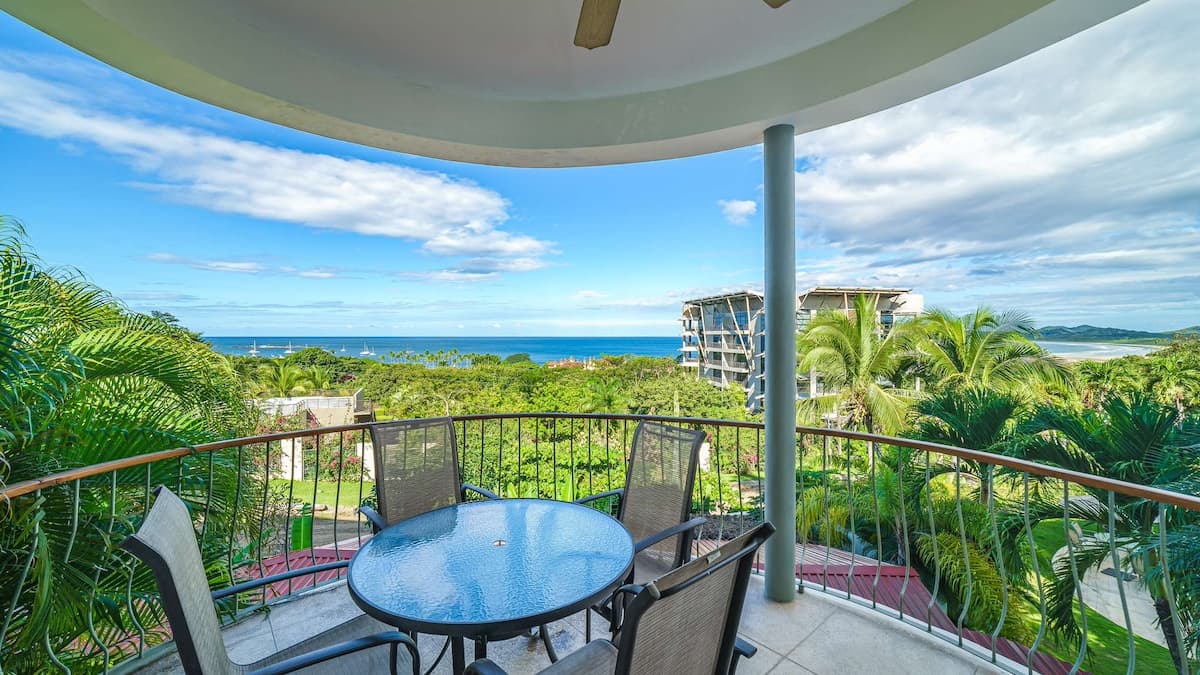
[543, 349]
[540, 349]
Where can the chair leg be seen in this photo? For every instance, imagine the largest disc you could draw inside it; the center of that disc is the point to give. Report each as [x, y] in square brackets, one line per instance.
[545, 631]
[587, 625]
[394, 658]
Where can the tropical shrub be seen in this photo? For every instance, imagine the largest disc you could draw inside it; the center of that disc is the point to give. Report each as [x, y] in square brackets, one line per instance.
[85, 381]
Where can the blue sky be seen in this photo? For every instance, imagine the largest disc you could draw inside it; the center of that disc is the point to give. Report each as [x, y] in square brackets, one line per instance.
[1065, 185]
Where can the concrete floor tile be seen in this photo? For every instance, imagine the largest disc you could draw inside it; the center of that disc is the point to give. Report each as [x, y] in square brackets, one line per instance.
[786, 667]
[310, 614]
[250, 639]
[850, 642]
[780, 627]
[760, 663]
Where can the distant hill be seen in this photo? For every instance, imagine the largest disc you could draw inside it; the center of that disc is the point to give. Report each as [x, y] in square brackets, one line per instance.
[1087, 333]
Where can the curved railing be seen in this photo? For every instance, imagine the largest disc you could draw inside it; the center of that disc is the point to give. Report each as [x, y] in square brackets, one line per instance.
[948, 540]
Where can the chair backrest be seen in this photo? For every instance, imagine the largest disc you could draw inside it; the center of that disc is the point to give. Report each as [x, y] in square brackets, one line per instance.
[416, 467]
[686, 621]
[166, 543]
[658, 487]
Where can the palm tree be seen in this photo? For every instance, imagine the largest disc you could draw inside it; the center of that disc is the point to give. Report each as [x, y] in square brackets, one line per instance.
[1174, 380]
[984, 349]
[87, 381]
[604, 395]
[856, 359]
[281, 379]
[1098, 380]
[320, 378]
[978, 419]
[1134, 439]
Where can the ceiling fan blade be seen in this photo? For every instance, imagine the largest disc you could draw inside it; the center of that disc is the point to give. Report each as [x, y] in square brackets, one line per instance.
[776, 4]
[596, 21]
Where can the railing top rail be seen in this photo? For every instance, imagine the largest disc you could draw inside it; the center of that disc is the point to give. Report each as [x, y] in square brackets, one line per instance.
[1091, 480]
[1189, 502]
[71, 475]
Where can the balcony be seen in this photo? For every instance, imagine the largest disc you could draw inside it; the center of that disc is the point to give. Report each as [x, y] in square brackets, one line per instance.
[883, 522]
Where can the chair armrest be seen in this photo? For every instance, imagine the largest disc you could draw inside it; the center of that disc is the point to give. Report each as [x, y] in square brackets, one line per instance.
[653, 539]
[342, 649]
[741, 648]
[484, 667]
[618, 493]
[378, 524]
[282, 576]
[614, 616]
[478, 490]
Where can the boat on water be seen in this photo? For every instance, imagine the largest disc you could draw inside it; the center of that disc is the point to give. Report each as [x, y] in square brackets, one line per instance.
[289, 349]
[343, 347]
[253, 348]
[366, 351]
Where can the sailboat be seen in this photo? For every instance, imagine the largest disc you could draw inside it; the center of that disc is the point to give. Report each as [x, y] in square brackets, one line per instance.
[253, 348]
[343, 347]
[366, 351]
[289, 349]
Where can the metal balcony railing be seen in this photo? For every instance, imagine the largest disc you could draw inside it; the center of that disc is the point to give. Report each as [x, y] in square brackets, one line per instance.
[974, 548]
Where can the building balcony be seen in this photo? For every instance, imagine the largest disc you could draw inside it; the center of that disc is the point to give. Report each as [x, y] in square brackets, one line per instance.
[883, 522]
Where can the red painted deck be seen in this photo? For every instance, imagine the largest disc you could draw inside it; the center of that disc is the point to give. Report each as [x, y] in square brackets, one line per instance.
[297, 560]
[900, 588]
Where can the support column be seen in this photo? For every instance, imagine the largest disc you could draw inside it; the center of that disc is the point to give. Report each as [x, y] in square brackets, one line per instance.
[779, 222]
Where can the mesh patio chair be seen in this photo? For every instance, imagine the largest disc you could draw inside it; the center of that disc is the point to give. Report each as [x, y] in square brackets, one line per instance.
[416, 470]
[656, 501]
[683, 622]
[166, 543]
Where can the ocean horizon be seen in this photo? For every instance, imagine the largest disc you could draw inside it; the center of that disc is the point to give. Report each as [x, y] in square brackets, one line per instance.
[540, 349]
[543, 349]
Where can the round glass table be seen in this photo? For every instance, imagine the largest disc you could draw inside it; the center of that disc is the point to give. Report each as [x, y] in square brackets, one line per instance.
[491, 569]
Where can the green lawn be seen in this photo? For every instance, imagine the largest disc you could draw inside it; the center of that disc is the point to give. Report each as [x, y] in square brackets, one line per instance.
[327, 493]
[1108, 643]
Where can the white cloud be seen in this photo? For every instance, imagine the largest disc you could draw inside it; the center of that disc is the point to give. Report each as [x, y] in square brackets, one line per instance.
[317, 274]
[588, 294]
[243, 266]
[737, 211]
[449, 216]
[1064, 184]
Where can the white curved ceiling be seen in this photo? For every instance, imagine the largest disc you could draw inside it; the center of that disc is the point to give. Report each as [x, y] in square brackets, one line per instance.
[500, 82]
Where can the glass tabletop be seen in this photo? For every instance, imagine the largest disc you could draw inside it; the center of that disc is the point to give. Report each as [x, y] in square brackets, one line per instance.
[485, 568]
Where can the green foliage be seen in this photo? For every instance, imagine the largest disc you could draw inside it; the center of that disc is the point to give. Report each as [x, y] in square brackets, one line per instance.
[858, 364]
[1134, 439]
[281, 379]
[87, 381]
[518, 358]
[984, 349]
[681, 394]
[1170, 375]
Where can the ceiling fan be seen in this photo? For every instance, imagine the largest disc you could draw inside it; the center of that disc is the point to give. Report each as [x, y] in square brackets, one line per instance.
[597, 18]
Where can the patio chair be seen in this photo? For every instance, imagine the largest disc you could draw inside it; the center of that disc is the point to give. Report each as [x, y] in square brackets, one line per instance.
[656, 501]
[166, 543]
[416, 470]
[683, 622]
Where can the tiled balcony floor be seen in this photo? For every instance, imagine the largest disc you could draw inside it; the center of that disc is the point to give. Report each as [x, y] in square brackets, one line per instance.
[815, 634]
